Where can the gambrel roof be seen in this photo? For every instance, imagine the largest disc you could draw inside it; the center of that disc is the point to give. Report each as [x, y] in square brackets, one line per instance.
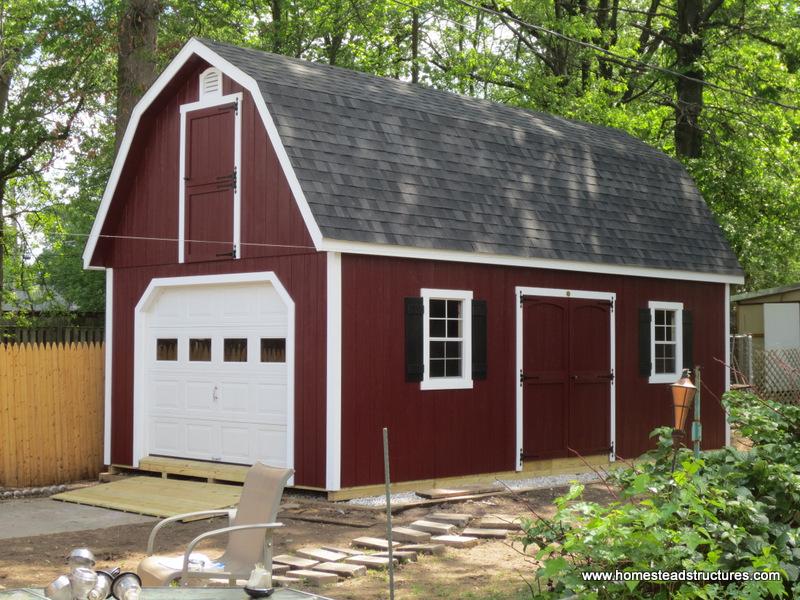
[387, 162]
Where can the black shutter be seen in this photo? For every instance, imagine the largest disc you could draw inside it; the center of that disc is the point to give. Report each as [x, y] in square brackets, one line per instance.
[479, 339]
[414, 324]
[688, 340]
[645, 368]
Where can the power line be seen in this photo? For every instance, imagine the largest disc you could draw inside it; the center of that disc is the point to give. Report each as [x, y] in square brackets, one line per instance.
[609, 53]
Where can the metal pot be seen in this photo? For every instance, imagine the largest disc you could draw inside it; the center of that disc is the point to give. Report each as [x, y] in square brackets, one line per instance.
[83, 581]
[81, 557]
[59, 589]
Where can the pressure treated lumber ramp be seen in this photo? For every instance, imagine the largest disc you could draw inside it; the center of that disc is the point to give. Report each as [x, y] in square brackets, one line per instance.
[156, 497]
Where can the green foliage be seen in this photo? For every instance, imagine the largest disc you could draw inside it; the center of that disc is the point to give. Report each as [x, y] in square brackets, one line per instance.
[729, 510]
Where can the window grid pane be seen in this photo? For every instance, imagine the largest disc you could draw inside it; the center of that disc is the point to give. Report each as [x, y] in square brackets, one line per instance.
[200, 349]
[445, 338]
[665, 341]
[235, 350]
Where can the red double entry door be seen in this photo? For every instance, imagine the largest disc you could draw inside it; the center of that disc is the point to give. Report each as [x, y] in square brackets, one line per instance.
[566, 377]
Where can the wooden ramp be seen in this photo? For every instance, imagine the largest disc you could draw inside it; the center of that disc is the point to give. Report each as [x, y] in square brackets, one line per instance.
[155, 496]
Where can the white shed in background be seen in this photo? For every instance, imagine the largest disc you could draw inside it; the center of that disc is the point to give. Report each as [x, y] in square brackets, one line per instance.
[770, 318]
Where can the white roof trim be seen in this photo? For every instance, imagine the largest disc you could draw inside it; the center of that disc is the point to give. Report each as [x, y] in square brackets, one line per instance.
[518, 261]
[195, 47]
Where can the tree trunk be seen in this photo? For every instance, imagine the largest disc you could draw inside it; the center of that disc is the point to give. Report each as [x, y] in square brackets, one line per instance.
[415, 46]
[136, 57]
[276, 8]
[688, 134]
[5, 87]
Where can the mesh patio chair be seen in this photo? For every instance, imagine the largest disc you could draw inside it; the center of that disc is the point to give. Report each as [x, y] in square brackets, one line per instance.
[249, 531]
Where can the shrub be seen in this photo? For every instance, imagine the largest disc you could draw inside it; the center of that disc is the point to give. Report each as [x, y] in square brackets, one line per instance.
[730, 510]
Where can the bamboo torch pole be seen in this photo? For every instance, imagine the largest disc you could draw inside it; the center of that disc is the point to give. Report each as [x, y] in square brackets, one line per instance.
[388, 511]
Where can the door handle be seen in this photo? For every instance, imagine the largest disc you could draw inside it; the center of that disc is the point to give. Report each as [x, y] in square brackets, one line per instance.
[214, 395]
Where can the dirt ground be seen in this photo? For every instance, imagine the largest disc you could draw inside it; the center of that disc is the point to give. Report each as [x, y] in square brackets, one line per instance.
[490, 570]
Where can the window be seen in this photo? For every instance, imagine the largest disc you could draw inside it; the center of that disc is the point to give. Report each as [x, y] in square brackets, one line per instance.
[167, 349]
[200, 349]
[447, 339]
[273, 350]
[235, 350]
[666, 341]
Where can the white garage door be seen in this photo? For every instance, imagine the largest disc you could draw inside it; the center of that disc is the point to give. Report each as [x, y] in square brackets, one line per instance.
[215, 381]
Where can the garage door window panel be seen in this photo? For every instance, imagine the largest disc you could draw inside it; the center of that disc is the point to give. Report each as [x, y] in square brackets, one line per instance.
[200, 350]
[235, 350]
[273, 350]
[167, 349]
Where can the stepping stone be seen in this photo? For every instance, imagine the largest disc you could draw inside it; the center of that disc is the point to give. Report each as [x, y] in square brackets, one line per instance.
[456, 541]
[294, 561]
[371, 562]
[345, 551]
[406, 534]
[373, 543]
[457, 519]
[403, 556]
[314, 577]
[497, 534]
[433, 527]
[464, 490]
[341, 569]
[509, 522]
[284, 581]
[424, 548]
[279, 569]
[320, 555]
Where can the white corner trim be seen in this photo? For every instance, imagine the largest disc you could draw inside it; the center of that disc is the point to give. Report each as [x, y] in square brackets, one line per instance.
[333, 428]
[521, 291]
[108, 373]
[210, 102]
[144, 305]
[517, 261]
[448, 383]
[195, 47]
[654, 305]
[727, 385]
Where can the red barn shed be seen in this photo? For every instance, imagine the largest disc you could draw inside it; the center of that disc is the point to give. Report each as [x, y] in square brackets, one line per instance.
[299, 255]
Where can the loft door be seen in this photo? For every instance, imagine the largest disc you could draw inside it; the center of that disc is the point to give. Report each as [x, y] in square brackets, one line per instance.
[566, 377]
[210, 184]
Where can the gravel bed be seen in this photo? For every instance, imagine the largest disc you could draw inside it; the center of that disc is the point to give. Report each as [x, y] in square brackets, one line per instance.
[536, 483]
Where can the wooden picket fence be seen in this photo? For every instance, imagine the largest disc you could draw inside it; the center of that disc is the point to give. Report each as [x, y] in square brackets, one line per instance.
[51, 413]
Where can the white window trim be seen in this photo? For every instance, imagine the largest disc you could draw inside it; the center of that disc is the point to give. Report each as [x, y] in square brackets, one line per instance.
[678, 308]
[210, 102]
[448, 383]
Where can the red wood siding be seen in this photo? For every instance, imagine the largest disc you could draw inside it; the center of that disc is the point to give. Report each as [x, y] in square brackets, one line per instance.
[274, 238]
[458, 432]
[304, 278]
[146, 201]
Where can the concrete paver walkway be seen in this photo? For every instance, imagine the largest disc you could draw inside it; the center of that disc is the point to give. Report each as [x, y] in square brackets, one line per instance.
[41, 516]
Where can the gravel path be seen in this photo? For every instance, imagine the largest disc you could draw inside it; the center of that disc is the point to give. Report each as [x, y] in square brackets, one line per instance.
[532, 483]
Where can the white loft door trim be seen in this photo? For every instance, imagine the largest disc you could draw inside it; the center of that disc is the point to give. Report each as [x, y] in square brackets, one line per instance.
[211, 102]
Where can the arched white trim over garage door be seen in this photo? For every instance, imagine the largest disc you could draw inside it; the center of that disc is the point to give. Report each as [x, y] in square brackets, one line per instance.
[214, 369]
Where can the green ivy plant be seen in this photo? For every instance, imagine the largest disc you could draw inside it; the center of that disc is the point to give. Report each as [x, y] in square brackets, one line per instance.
[731, 510]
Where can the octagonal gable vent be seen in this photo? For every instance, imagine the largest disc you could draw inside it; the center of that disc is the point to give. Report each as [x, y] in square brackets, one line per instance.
[210, 83]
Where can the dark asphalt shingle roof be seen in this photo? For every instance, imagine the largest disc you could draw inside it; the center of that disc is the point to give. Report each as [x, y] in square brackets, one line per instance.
[391, 162]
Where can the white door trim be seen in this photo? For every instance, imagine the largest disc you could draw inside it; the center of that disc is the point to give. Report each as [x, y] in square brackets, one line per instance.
[150, 295]
[727, 385]
[333, 427]
[521, 291]
[210, 102]
[109, 354]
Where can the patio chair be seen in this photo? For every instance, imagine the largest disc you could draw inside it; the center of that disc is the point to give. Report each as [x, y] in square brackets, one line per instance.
[249, 531]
